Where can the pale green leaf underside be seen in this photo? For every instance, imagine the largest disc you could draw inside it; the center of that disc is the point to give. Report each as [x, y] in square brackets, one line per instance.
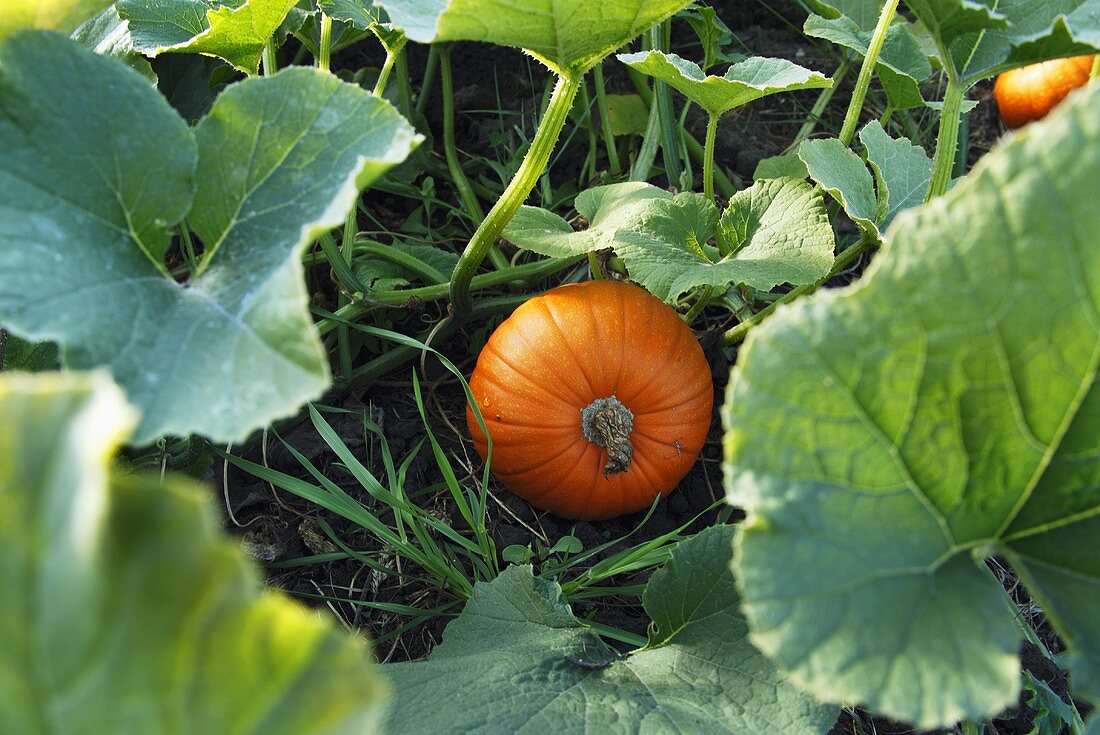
[508, 664]
[279, 160]
[898, 178]
[133, 616]
[566, 35]
[662, 237]
[60, 15]
[234, 30]
[742, 83]
[882, 436]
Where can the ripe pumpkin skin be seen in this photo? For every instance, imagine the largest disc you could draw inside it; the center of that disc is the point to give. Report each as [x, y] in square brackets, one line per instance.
[561, 351]
[1027, 94]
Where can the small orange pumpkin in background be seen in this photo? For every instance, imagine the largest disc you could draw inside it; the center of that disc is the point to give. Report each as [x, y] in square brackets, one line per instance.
[1027, 94]
[597, 397]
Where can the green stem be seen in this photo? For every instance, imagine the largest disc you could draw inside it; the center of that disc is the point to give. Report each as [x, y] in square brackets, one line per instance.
[694, 147]
[528, 272]
[270, 66]
[822, 101]
[970, 728]
[651, 142]
[738, 333]
[188, 247]
[594, 267]
[708, 158]
[384, 75]
[700, 304]
[605, 119]
[670, 137]
[947, 140]
[886, 115]
[348, 281]
[325, 54]
[428, 82]
[534, 163]
[863, 82]
[590, 159]
[963, 152]
[465, 192]
[410, 262]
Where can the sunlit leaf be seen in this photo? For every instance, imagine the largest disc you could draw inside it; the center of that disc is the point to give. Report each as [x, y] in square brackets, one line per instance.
[129, 612]
[886, 439]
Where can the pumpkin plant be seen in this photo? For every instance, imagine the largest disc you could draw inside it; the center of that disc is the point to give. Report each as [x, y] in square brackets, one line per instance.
[569, 37]
[596, 397]
[1027, 94]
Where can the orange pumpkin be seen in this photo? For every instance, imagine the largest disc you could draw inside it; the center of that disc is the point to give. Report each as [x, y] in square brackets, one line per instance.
[597, 397]
[1027, 94]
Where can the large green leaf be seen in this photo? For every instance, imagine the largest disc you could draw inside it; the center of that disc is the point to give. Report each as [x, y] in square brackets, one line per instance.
[517, 661]
[784, 237]
[566, 35]
[61, 15]
[887, 438]
[280, 159]
[742, 83]
[126, 613]
[235, 30]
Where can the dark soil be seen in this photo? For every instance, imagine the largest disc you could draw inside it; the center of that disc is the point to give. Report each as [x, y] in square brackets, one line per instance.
[498, 93]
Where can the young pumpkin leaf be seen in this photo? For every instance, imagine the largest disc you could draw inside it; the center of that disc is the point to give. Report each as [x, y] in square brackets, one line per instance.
[568, 36]
[662, 238]
[742, 83]
[60, 15]
[133, 613]
[887, 438]
[517, 660]
[234, 30]
[279, 160]
[902, 65]
[899, 176]
[713, 34]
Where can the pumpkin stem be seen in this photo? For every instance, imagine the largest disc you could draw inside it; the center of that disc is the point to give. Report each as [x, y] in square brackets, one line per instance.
[606, 422]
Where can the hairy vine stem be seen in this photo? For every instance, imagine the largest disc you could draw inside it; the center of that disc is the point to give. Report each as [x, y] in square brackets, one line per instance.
[948, 139]
[863, 82]
[532, 167]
